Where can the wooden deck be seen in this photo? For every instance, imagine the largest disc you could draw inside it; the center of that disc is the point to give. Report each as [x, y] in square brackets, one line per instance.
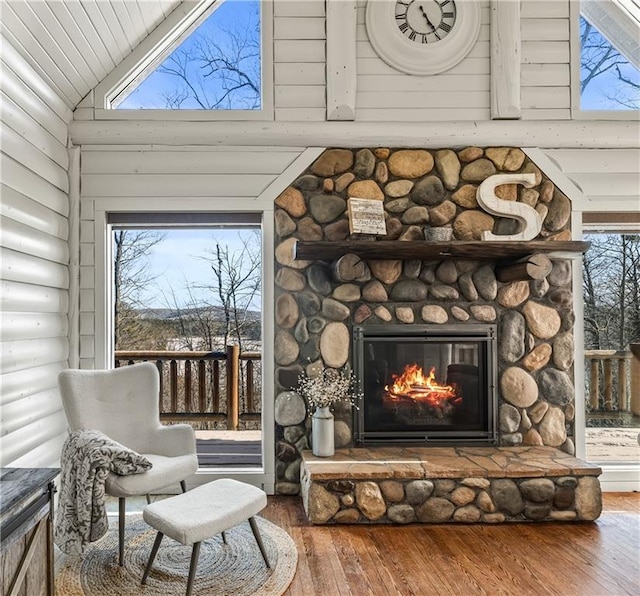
[578, 559]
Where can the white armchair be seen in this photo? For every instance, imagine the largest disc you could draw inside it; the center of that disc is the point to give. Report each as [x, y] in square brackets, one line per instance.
[123, 404]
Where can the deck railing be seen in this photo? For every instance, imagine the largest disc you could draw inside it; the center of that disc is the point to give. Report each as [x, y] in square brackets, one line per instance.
[614, 382]
[209, 389]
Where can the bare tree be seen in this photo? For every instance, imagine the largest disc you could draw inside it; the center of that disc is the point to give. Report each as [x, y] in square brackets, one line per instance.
[131, 276]
[219, 70]
[598, 57]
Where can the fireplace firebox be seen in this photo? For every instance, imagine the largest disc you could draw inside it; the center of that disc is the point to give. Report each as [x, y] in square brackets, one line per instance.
[425, 384]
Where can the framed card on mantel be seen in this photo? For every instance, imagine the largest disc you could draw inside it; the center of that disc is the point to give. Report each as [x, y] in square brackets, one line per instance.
[366, 216]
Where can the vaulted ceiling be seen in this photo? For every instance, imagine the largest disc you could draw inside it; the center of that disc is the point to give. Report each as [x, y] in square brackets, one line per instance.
[74, 44]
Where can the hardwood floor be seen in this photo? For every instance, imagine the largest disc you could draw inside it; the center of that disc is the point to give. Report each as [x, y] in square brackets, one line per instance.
[599, 558]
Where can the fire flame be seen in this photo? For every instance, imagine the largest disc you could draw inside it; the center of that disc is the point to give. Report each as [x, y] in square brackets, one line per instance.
[414, 384]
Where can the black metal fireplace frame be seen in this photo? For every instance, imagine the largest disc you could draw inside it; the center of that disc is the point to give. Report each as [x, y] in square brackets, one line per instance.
[486, 334]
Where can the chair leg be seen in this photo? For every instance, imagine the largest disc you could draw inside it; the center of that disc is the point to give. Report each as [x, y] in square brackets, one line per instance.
[148, 498]
[152, 556]
[224, 537]
[183, 486]
[195, 553]
[256, 533]
[122, 506]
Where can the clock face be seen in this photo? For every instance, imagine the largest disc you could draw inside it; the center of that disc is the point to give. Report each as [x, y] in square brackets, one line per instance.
[425, 21]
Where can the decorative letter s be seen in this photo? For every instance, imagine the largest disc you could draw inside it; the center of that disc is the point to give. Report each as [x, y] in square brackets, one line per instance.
[527, 216]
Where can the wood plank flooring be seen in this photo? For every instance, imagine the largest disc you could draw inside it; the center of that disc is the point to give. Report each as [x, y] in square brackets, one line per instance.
[599, 558]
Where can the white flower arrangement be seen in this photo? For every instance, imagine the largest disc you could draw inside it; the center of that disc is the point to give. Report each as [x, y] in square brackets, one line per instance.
[327, 388]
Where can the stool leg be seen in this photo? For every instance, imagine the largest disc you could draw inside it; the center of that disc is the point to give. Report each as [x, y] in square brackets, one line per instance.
[224, 537]
[195, 553]
[122, 507]
[152, 556]
[256, 533]
[183, 486]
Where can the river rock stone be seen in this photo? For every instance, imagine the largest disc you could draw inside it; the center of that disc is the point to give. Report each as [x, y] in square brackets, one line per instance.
[293, 433]
[463, 495]
[529, 196]
[292, 201]
[365, 163]
[411, 268]
[399, 205]
[510, 439]
[442, 214]
[309, 303]
[398, 188]
[286, 348]
[484, 502]
[350, 267]
[326, 208]
[365, 189]
[459, 313]
[347, 293]
[287, 377]
[318, 277]
[410, 290]
[392, 491]
[485, 282]
[289, 279]
[285, 452]
[327, 185]
[401, 514]
[469, 225]
[347, 516]
[538, 490]
[467, 287]
[511, 333]
[446, 272]
[538, 411]
[284, 225]
[428, 191]
[539, 287]
[370, 501]
[518, 387]
[561, 296]
[343, 181]
[570, 411]
[386, 271]
[531, 168]
[410, 163]
[374, 291]
[448, 166]
[417, 491]
[537, 358]
[483, 312]
[287, 488]
[543, 321]
[465, 196]
[284, 255]
[525, 421]
[394, 229]
[532, 437]
[470, 154]
[468, 514]
[415, 215]
[332, 162]
[334, 344]
[513, 294]
[309, 230]
[443, 486]
[322, 505]
[588, 498]
[362, 313]
[310, 350]
[287, 311]
[412, 233]
[334, 310]
[442, 292]
[478, 170]
[435, 510]
[434, 314]
[404, 314]
[563, 497]
[556, 386]
[341, 434]
[537, 512]
[289, 409]
[559, 213]
[382, 172]
[292, 473]
[341, 486]
[307, 182]
[506, 496]
[383, 313]
[509, 418]
[560, 273]
[552, 427]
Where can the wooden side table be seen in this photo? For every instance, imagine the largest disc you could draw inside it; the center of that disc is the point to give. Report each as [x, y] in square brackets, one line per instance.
[26, 531]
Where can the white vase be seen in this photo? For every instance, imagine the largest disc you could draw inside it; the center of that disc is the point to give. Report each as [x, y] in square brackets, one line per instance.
[322, 430]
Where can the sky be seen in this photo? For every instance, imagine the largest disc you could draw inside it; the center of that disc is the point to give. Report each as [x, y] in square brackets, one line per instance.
[175, 263]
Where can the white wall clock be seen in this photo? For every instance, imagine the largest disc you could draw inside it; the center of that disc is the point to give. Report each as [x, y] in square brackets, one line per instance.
[423, 37]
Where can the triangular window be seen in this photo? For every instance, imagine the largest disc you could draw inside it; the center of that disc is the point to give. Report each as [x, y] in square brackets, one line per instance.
[216, 67]
[608, 80]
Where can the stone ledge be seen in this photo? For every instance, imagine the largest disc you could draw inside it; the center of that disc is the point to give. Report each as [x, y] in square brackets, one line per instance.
[447, 484]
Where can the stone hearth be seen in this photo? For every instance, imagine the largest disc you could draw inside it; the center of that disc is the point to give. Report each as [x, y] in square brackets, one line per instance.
[441, 485]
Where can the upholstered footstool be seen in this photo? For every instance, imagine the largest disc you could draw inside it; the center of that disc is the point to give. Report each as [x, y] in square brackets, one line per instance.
[202, 513]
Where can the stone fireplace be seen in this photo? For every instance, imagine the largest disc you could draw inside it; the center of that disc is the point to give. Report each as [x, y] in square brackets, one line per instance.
[503, 346]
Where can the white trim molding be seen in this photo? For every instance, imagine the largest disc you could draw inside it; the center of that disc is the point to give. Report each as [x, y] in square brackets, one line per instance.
[506, 59]
[341, 59]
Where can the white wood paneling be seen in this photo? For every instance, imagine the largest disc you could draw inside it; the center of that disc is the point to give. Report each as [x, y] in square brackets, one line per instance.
[505, 59]
[34, 252]
[341, 60]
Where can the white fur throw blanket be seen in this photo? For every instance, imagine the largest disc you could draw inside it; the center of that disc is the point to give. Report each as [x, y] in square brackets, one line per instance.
[87, 458]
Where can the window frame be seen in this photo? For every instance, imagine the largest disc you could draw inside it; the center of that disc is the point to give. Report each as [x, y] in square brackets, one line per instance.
[577, 113]
[159, 43]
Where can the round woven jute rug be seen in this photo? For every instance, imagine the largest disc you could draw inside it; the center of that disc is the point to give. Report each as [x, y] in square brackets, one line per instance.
[235, 568]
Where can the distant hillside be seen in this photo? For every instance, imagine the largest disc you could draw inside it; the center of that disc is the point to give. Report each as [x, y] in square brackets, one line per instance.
[171, 314]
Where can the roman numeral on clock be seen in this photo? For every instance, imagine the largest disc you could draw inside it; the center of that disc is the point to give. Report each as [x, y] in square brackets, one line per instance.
[404, 27]
[445, 27]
